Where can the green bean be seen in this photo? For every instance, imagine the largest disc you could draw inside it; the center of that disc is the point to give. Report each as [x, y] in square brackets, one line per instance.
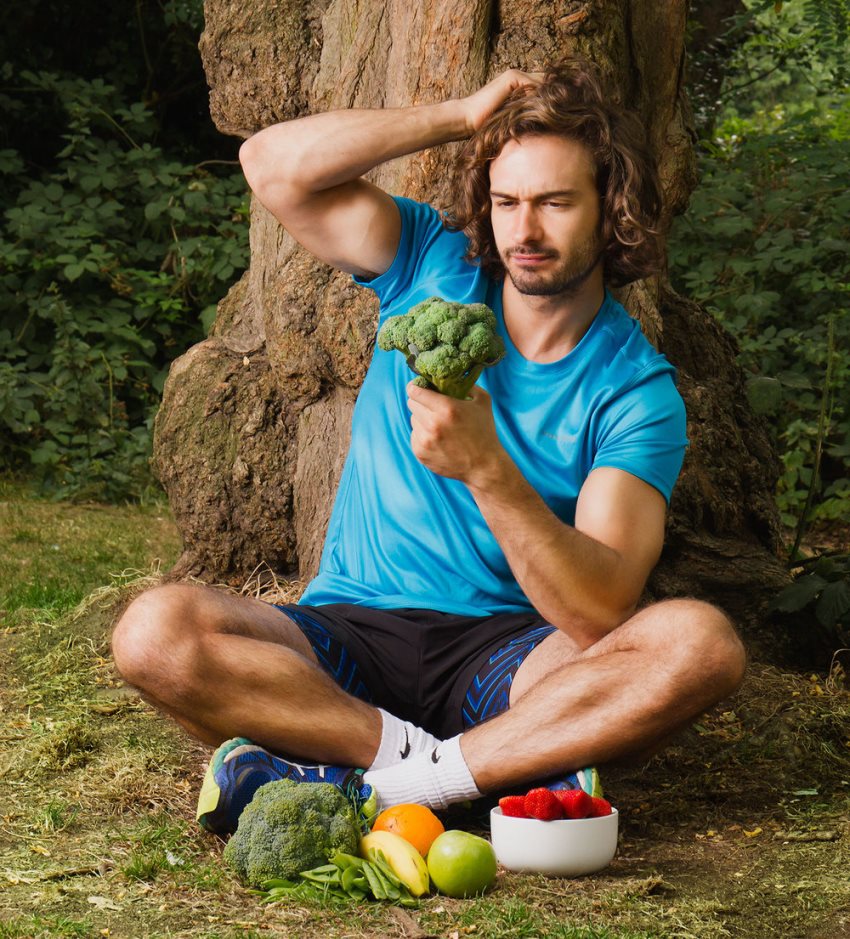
[343, 860]
[345, 877]
[360, 881]
[390, 888]
[380, 861]
[349, 876]
[375, 884]
[318, 876]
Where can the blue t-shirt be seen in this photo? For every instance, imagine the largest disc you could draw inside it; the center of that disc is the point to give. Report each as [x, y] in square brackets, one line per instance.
[403, 536]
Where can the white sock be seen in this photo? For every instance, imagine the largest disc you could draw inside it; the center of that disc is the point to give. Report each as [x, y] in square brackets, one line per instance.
[435, 778]
[400, 740]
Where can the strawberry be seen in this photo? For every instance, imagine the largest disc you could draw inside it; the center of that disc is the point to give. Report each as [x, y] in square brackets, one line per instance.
[600, 807]
[513, 806]
[576, 803]
[541, 803]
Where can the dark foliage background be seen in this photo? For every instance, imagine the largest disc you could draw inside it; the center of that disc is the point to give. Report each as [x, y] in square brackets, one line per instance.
[124, 222]
[765, 246]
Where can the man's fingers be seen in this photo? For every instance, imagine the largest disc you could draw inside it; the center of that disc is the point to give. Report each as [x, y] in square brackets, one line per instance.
[484, 102]
[512, 80]
[527, 78]
[436, 402]
[535, 77]
[424, 397]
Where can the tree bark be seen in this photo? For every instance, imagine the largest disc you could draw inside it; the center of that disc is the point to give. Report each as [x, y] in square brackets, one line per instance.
[250, 454]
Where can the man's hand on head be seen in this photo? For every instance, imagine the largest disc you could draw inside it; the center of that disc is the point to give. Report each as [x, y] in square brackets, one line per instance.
[455, 438]
[484, 102]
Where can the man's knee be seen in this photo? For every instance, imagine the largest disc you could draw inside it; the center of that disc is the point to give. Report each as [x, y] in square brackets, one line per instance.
[152, 635]
[708, 643]
[695, 645]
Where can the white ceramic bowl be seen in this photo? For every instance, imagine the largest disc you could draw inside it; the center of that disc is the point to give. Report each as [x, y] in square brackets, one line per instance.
[566, 847]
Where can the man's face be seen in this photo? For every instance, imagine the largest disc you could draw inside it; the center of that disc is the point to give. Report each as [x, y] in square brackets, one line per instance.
[545, 214]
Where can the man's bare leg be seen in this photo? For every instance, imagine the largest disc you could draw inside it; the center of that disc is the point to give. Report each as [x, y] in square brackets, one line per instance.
[571, 708]
[636, 686]
[225, 666]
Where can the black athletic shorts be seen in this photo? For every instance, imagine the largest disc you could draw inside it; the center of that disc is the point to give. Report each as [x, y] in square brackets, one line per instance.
[441, 671]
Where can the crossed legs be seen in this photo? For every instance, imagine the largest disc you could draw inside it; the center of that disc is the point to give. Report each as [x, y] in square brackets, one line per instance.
[620, 698]
[225, 666]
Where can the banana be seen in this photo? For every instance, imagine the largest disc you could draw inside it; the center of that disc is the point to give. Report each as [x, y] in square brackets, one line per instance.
[406, 862]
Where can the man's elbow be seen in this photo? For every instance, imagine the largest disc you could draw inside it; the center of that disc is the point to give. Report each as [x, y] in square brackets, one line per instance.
[590, 624]
[603, 627]
[249, 158]
[275, 174]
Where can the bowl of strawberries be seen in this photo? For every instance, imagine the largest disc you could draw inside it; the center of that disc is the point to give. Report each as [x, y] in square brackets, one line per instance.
[562, 833]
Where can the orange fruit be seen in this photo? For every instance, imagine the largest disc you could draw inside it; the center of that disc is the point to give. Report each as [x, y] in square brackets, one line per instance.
[417, 824]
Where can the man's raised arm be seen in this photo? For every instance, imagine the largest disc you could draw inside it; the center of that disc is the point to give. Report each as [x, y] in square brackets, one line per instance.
[306, 172]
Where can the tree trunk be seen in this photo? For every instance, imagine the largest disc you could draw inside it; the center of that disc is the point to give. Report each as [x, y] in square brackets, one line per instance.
[254, 425]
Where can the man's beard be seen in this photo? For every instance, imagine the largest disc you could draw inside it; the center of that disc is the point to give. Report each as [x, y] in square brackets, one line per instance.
[565, 280]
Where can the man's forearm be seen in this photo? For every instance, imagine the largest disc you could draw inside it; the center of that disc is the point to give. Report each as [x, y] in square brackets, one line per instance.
[324, 150]
[572, 580]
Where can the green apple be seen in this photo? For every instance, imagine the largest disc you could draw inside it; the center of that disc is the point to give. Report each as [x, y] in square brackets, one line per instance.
[461, 864]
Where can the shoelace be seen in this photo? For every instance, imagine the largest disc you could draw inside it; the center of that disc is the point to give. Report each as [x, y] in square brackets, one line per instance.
[359, 793]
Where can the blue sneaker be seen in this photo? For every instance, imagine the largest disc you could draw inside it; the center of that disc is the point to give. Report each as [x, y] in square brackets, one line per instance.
[587, 779]
[238, 768]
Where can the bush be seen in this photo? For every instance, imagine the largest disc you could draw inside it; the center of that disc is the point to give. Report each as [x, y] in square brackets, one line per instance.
[111, 263]
[765, 246]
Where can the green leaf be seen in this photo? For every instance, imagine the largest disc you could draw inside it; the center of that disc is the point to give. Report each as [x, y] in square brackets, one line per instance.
[798, 595]
[208, 315]
[795, 380]
[42, 455]
[153, 210]
[764, 394]
[827, 568]
[834, 603]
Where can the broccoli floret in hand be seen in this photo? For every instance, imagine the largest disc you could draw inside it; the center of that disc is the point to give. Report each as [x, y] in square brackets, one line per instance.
[290, 827]
[447, 344]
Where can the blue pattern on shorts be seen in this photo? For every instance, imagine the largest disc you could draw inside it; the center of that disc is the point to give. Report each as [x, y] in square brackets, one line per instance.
[489, 693]
[334, 658]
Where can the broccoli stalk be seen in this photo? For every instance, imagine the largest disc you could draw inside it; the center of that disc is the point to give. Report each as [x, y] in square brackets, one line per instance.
[290, 827]
[447, 344]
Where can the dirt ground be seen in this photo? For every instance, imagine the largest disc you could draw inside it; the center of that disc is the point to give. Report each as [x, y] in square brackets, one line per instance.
[742, 828]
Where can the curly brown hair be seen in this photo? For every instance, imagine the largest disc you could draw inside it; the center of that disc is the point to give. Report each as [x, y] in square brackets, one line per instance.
[570, 103]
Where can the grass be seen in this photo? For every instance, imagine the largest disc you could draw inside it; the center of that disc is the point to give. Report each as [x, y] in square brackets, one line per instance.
[57, 553]
[742, 829]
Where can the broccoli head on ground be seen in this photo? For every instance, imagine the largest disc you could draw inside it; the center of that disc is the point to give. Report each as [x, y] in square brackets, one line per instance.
[447, 344]
[290, 827]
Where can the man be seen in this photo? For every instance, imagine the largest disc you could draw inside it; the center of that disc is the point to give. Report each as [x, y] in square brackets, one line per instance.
[474, 626]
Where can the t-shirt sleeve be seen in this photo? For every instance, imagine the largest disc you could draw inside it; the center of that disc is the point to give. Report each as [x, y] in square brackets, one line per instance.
[420, 226]
[644, 431]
